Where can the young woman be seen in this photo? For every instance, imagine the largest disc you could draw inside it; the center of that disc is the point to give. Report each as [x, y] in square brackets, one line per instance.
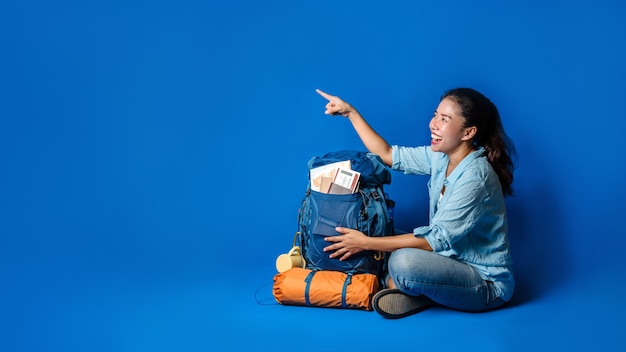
[461, 260]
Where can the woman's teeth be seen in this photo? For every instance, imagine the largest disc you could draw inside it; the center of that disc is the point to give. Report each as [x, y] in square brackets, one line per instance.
[435, 137]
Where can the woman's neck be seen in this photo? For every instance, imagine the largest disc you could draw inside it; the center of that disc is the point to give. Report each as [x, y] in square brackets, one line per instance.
[458, 156]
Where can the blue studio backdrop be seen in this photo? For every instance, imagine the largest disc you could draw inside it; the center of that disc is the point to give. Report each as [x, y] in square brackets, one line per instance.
[153, 158]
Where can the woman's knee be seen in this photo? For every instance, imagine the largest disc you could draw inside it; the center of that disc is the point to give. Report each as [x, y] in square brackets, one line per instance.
[406, 259]
[405, 267]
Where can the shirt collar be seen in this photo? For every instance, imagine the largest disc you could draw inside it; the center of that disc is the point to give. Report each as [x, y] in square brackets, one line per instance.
[478, 152]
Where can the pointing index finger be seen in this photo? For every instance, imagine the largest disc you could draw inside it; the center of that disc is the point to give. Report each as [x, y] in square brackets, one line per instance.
[325, 95]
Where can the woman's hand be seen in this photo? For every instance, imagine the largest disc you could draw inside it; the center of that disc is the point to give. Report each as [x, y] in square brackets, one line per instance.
[345, 245]
[335, 105]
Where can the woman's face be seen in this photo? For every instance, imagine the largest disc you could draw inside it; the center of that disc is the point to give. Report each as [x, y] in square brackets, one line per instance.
[446, 127]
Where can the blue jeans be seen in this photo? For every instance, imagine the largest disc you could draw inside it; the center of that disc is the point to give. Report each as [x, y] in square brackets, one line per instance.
[446, 281]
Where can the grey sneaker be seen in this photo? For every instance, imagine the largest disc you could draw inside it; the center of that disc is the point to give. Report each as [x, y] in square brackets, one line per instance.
[391, 303]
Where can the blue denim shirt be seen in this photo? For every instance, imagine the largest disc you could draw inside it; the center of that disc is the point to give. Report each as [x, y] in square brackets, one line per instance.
[469, 222]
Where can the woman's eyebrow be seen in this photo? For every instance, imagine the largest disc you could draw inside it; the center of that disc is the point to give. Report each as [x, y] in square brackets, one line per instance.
[444, 115]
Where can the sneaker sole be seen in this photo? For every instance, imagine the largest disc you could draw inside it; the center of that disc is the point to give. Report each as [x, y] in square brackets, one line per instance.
[393, 304]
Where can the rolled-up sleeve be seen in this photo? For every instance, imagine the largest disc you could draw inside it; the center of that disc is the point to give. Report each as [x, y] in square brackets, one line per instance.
[435, 236]
[412, 160]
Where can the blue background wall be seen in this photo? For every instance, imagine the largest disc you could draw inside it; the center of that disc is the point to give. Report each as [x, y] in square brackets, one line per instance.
[153, 157]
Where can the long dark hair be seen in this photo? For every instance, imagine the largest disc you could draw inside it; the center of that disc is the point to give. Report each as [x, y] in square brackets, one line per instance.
[479, 111]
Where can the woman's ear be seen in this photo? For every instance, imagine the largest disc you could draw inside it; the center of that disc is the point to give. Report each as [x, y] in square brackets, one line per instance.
[470, 132]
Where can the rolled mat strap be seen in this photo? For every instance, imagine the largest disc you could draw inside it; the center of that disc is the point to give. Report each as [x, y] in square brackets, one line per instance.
[308, 280]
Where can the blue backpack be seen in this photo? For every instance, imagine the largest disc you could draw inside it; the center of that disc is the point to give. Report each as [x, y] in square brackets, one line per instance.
[365, 210]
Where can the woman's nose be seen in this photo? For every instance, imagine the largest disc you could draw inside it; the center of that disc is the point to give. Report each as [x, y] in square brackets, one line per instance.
[433, 124]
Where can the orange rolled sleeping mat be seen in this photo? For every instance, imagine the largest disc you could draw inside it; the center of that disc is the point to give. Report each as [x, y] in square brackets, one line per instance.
[325, 288]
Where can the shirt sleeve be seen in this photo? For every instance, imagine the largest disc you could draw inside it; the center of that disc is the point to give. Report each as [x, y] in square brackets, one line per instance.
[412, 160]
[457, 215]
